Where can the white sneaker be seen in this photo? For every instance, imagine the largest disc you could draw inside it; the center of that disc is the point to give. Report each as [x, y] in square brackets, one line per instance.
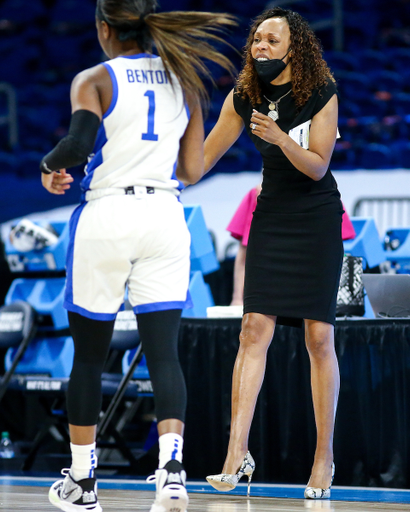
[171, 495]
[72, 496]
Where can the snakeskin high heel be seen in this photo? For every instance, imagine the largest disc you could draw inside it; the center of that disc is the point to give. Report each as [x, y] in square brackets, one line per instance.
[316, 493]
[226, 482]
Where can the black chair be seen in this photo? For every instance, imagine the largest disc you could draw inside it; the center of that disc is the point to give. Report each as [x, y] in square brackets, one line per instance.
[119, 390]
[17, 329]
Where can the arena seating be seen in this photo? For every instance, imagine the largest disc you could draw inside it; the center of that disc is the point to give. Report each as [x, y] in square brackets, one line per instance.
[44, 43]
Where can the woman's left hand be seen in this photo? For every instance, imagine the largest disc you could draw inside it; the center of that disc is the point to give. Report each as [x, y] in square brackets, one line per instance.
[57, 182]
[265, 128]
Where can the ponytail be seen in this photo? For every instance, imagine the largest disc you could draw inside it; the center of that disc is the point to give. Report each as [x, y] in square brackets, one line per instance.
[182, 38]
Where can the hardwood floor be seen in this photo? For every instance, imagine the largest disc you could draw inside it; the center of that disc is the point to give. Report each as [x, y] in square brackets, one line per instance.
[26, 498]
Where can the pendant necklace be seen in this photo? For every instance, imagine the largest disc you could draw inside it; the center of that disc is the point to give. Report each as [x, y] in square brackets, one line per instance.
[273, 106]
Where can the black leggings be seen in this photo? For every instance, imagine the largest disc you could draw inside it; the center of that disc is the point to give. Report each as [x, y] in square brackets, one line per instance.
[159, 336]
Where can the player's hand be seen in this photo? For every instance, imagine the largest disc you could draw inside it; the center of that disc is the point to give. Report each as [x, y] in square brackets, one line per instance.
[266, 128]
[57, 182]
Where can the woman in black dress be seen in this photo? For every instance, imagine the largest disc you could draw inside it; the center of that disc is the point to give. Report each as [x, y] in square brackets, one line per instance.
[286, 100]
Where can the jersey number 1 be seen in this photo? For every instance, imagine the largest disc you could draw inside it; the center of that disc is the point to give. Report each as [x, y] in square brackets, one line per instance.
[150, 135]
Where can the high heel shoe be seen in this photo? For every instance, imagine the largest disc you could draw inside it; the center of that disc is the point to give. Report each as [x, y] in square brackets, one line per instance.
[226, 482]
[316, 493]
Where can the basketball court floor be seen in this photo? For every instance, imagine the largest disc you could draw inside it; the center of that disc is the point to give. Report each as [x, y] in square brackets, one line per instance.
[30, 494]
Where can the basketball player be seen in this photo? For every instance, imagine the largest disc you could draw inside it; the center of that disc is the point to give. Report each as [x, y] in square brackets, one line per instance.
[140, 118]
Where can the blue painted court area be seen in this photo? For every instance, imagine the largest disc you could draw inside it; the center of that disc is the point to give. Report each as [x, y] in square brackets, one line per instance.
[365, 494]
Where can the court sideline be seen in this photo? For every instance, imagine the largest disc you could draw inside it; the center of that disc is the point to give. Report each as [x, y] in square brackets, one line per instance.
[25, 493]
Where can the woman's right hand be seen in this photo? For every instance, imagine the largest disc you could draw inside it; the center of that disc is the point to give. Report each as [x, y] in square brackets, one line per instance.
[57, 182]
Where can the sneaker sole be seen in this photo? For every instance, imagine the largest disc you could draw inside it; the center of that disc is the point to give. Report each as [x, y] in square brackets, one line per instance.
[173, 498]
[70, 507]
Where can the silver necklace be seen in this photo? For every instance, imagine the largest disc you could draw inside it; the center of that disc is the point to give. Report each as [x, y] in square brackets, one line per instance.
[273, 106]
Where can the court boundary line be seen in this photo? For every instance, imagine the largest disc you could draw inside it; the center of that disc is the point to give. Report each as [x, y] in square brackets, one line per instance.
[339, 493]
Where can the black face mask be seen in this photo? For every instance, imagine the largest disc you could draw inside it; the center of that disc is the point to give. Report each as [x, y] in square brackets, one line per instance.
[268, 70]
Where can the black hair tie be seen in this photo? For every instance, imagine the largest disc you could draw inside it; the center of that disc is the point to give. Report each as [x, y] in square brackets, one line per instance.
[141, 21]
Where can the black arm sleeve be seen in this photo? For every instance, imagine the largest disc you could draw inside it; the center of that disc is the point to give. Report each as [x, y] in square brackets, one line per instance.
[76, 146]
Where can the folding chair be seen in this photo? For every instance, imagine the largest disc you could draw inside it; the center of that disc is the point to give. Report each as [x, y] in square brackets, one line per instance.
[17, 329]
[116, 388]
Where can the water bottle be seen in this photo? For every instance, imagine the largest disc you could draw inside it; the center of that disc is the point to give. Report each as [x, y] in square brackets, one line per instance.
[6, 446]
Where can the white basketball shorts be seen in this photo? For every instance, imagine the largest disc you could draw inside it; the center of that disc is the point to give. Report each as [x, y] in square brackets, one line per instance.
[138, 241]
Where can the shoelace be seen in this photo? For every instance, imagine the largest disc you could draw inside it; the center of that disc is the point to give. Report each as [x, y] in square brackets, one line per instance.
[151, 478]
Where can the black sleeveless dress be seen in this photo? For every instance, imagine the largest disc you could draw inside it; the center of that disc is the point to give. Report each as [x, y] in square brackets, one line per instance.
[295, 248]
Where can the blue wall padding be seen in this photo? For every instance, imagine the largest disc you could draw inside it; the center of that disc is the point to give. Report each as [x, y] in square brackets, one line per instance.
[203, 255]
[49, 258]
[46, 356]
[201, 296]
[45, 295]
[367, 243]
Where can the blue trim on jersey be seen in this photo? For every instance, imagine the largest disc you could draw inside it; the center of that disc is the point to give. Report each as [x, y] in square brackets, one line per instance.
[180, 185]
[114, 98]
[160, 306]
[140, 56]
[75, 217]
[97, 159]
[188, 113]
[69, 306]
[174, 170]
[68, 295]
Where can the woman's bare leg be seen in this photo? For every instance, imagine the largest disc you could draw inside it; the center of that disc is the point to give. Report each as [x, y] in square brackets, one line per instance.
[325, 380]
[249, 370]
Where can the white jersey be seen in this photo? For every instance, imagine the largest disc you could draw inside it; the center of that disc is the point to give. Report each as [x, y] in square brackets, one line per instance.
[138, 139]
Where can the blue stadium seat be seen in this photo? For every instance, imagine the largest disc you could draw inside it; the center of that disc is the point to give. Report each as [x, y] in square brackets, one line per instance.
[353, 86]
[385, 80]
[361, 29]
[349, 109]
[376, 156]
[63, 50]
[401, 103]
[17, 65]
[373, 60]
[343, 157]
[29, 162]
[41, 123]
[371, 106]
[73, 11]
[8, 163]
[341, 61]
[401, 151]
[21, 11]
[399, 59]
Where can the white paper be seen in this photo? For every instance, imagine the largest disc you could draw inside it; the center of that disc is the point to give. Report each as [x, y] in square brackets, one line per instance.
[300, 134]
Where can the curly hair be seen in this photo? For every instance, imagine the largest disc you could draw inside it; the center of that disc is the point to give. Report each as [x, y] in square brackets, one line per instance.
[309, 69]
